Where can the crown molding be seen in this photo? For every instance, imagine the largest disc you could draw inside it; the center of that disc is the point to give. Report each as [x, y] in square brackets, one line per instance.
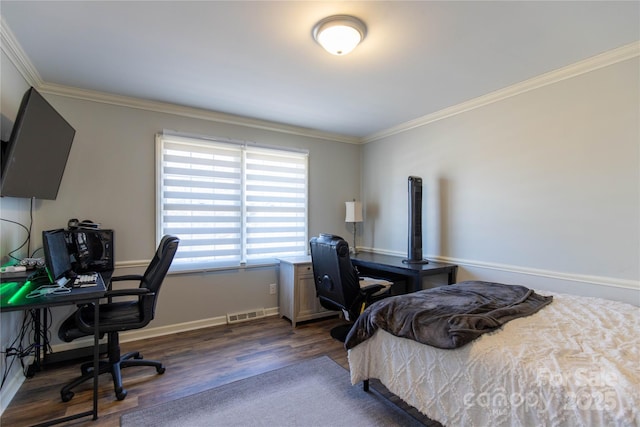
[10, 46]
[196, 113]
[602, 60]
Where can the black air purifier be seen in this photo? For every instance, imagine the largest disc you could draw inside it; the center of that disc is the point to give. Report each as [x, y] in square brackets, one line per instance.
[414, 255]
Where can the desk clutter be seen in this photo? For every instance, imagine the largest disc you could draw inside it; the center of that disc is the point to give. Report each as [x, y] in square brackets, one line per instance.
[64, 287]
[89, 250]
[46, 290]
[30, 263]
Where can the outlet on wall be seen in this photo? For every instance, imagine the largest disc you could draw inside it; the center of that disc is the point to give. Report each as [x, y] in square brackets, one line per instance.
[273, 288]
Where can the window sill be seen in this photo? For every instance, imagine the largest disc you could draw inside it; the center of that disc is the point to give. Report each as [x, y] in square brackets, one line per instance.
[229, 268]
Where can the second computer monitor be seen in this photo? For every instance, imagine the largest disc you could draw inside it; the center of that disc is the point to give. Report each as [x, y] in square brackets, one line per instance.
[56, 255]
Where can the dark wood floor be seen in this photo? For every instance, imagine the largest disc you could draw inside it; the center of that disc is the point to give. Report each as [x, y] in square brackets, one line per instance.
[195, 361]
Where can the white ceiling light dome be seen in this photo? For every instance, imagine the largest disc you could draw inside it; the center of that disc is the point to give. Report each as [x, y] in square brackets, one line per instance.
[339, 34]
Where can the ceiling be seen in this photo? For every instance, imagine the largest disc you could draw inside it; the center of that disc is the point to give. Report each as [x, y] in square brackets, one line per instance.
[258, 59]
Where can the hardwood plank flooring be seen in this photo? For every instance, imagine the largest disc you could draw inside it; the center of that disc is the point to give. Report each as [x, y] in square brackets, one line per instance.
[195, 361]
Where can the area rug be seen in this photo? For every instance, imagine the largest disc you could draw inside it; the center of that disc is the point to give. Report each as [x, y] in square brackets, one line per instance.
[316, 392]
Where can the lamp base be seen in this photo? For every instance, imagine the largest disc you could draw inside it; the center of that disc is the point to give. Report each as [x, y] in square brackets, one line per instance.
[355, 251]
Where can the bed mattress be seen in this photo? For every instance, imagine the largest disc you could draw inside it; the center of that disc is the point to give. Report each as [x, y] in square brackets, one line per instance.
[575, 362]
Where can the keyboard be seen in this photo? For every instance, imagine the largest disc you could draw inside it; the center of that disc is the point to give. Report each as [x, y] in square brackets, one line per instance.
[85, 280]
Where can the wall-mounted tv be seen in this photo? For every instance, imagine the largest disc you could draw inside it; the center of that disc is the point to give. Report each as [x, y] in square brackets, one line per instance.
[34, 158]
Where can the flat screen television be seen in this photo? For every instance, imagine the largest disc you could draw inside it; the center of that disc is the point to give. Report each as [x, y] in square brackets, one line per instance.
[34, 158]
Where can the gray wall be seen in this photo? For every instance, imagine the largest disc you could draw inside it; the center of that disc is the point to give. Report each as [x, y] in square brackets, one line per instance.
[541, 188]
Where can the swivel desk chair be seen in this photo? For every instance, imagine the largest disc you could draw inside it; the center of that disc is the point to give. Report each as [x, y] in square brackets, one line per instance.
[121, 316]
[337, 282]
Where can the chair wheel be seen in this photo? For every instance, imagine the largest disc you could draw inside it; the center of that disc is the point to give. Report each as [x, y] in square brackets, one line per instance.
[160, 370]
[66, 396]
[120, 395]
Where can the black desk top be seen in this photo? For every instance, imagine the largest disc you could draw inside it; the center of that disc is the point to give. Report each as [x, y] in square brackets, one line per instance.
[365, 258]
[13, 295]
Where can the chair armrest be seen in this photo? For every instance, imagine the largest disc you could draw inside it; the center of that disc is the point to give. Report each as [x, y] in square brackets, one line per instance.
[126, 277]
[128, 292]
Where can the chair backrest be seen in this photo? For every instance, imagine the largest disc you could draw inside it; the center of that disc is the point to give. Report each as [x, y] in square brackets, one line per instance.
[336, 279]
[156, 271]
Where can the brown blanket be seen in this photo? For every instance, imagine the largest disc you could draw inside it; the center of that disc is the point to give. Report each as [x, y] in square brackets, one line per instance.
[448, 316]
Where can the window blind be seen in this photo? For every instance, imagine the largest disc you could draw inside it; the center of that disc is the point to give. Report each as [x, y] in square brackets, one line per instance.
[231, 203]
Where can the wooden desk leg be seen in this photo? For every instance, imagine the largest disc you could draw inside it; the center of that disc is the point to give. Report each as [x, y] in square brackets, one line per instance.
[452, 275]
[417, 282]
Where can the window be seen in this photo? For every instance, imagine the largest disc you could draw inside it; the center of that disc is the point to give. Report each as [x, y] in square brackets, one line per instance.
[230, 203]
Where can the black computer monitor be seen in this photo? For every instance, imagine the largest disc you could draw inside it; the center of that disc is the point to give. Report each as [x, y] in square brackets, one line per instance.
[56, 256]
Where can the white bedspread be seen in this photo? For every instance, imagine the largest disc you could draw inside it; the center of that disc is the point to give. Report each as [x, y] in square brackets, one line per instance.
[576, 362]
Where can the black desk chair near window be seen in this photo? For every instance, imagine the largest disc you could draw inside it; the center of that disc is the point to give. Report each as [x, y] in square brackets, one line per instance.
[337, 283]
[121, 316]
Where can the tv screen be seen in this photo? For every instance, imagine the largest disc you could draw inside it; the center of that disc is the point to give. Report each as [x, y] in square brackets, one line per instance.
[34, 158]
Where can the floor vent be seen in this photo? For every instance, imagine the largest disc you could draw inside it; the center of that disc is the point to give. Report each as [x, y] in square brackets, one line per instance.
[245, 315]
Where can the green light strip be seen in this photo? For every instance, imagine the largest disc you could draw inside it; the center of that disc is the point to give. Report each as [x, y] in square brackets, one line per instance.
[23, 290]
[6, 286]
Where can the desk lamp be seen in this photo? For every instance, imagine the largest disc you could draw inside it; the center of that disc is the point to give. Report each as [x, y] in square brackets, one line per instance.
[354, 215]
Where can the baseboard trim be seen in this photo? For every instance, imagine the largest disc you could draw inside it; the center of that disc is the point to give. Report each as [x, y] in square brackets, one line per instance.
[556, 275]
[12, 385]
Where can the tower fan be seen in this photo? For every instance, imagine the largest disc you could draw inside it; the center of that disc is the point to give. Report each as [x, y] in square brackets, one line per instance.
[414, 255]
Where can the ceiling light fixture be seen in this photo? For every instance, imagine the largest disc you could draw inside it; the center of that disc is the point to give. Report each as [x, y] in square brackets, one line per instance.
[339, 34]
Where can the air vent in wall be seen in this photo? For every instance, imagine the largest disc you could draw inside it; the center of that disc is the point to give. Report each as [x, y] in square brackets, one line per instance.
[245, 315]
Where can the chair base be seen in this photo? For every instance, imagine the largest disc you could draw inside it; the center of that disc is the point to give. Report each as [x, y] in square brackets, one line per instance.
[340, 332]
[114, 368]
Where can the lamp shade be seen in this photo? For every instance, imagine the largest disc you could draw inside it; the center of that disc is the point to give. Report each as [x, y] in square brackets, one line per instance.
[354, 212]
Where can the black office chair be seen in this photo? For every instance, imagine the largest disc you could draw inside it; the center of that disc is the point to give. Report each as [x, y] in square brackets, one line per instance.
[337, 281]
[121, 316]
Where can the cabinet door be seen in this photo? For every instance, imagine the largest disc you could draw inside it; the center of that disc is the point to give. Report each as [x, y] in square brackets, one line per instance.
[307, 301]
[286, 292]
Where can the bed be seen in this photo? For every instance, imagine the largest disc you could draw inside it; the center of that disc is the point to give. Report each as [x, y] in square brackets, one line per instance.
[575, 361]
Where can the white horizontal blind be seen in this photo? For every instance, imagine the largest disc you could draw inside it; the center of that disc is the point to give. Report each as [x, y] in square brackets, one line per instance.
[230, 204]
[276, 204]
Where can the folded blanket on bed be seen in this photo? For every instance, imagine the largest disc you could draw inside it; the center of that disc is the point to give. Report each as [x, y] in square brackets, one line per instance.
[447, 316]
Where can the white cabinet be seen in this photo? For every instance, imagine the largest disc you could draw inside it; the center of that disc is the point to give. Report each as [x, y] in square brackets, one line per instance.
[297, 291]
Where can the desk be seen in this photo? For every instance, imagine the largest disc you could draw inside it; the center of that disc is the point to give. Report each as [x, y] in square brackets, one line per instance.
[380, 265]
[13, 297]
